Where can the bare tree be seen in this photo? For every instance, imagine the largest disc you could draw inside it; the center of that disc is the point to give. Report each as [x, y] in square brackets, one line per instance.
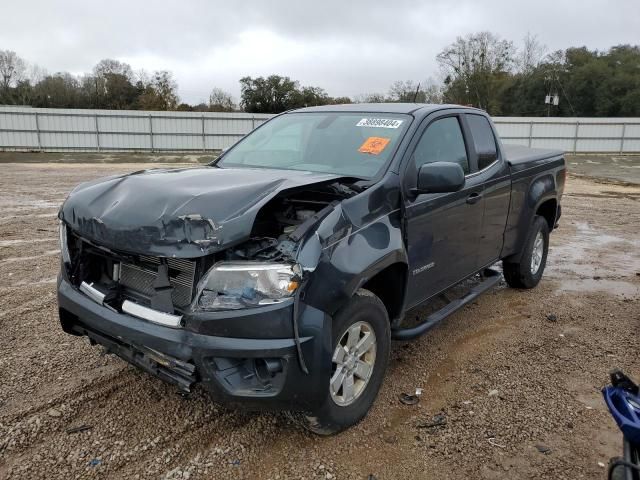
[221, 101]
[142, 77]
[471, 64]
[432, 91]
[369, 98]
[12, 69]
[115, 67]
[408, 91]
[35, 73]
[404, 91]
[532, 54]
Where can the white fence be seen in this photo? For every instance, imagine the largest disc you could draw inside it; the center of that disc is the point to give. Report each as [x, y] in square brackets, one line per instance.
[50, 130]
[577, 135]
[55, 130]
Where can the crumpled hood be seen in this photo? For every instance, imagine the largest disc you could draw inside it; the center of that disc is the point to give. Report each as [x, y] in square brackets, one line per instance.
[177, 212]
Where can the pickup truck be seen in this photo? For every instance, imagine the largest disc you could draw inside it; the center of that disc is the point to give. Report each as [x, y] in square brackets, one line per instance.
[278, 275]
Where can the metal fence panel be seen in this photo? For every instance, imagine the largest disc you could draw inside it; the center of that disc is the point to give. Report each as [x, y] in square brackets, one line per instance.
[555, 143]
[631, 146]
[48, 129]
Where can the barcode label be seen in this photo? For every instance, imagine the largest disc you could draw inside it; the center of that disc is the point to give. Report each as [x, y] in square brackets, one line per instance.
[379, 123]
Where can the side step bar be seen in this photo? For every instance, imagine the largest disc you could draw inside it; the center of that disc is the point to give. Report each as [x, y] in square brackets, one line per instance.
[492, 277]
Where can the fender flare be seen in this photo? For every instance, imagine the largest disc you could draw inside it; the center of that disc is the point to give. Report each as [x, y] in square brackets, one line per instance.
[541, 190]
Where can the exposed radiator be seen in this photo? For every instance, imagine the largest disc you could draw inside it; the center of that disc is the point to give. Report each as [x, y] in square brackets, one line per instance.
[181, 276]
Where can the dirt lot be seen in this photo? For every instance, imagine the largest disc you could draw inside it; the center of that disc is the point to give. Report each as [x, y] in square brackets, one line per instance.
[516, 374]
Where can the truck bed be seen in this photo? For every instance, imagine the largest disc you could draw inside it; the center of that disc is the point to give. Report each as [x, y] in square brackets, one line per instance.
[519, 154]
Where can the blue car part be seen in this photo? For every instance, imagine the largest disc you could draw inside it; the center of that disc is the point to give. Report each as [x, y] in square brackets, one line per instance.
[623, 402]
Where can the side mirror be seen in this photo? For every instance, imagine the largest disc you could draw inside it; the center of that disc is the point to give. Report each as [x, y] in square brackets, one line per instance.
[440, 177]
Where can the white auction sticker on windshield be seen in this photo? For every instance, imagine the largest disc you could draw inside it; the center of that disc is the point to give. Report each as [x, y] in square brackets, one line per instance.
[379, 123]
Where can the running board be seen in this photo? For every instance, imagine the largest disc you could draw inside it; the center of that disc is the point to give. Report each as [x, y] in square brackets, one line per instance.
[492, 278]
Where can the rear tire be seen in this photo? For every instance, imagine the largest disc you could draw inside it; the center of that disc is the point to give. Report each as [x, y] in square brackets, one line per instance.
[528, 271]
[362, 321]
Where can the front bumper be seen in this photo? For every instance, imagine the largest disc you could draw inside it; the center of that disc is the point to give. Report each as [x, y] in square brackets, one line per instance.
[240, 357]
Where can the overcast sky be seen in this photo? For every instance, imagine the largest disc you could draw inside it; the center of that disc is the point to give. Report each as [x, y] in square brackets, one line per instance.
[347, 47]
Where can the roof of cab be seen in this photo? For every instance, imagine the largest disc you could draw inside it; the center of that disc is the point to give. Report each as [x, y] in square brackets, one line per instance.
[380, 108]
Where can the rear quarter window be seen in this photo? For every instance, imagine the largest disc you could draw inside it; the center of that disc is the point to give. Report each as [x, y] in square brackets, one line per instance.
[483, 139]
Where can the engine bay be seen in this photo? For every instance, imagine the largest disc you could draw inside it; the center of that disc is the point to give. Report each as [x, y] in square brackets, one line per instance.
[281, 217]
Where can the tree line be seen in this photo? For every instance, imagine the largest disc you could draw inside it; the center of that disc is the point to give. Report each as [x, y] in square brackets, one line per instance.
[491, 73]
[480, 69]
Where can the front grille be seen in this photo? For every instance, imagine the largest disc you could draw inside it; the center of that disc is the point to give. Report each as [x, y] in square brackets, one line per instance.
[140, 278]
[96, 264]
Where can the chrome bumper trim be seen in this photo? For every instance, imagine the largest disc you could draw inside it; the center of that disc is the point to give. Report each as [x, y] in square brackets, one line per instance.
[91, 292]
[161, 318]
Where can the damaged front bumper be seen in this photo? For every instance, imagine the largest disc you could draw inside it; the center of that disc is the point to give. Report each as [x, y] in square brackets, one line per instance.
[246, 357]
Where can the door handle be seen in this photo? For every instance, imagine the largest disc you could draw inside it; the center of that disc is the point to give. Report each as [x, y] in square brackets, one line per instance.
[474, 198]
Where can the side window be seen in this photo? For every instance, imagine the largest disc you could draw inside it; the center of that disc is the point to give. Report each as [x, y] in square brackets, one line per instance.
[442, 142]
[483, 140]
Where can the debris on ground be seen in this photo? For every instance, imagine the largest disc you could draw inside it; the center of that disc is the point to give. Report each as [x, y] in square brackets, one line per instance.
[79, 428]
[437, 420]
[408, 399]
[493, 442]
[543, 448]
[552, 317]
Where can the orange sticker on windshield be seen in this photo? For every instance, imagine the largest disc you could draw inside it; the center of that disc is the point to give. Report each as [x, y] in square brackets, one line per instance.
[374, 145]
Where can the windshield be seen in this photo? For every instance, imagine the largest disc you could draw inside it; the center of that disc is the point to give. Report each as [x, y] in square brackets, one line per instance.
[349, 144]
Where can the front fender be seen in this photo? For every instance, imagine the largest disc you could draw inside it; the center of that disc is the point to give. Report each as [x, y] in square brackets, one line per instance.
[345, 265]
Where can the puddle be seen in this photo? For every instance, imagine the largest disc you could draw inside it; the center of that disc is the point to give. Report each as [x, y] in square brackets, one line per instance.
[592, 261]
[8, 243]
[48, 253]
[614, 287]
[606, 194]
[47, 281]
[30, 215]
[15, 202]
[591, 253]
[26, 210]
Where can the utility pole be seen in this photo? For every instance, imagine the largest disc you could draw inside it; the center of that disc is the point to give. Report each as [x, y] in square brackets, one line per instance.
[551, 99]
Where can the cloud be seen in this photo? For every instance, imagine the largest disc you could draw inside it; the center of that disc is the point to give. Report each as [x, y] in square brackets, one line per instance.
[345, 47]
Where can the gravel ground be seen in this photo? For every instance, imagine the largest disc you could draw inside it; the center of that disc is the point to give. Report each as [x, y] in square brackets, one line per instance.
[514, 377]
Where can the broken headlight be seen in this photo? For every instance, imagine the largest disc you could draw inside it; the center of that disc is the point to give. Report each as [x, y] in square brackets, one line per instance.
[234, 285]
[64, 245]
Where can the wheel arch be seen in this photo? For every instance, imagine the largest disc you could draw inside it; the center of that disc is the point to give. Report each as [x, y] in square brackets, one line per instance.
[541, 198]
[389, 285]
[548, 210]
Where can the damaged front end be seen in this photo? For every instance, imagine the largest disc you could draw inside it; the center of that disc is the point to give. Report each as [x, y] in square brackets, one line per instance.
[260, 270]
[229, 317]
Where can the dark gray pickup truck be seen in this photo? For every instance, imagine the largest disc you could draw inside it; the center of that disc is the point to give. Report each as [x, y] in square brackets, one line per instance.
[277, 276]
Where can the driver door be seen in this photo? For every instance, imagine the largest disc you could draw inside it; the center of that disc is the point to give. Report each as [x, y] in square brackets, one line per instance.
[443, 229]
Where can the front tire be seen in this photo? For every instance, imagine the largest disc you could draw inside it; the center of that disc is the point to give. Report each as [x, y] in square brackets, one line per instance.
[360, 354]
[528, 271]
